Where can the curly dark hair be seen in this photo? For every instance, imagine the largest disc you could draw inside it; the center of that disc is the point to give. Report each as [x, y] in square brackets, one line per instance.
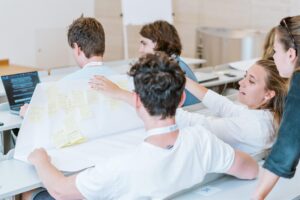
[159, 82]
[89, 35]
[165, 35]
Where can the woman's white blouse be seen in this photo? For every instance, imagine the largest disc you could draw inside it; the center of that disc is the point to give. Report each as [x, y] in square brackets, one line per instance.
[249, 130]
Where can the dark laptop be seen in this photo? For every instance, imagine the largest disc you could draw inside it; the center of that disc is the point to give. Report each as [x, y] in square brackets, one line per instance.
[19, 89]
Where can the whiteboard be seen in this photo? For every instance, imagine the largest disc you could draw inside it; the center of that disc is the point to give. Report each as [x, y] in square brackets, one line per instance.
[138, 12]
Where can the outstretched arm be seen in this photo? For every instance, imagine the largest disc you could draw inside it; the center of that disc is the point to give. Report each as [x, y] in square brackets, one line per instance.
[23, 109]
[59, 186]
[195, 88]
[266, 182]
[107, 87]
[244, 166]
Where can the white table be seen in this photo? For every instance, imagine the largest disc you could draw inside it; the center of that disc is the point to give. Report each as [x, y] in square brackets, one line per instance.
[229, 187]
[10, 121]
[120, 66]
[17, 177]
[223, 72]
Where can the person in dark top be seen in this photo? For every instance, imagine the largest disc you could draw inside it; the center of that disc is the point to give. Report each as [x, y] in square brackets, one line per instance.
[284, 157]
[162, 36]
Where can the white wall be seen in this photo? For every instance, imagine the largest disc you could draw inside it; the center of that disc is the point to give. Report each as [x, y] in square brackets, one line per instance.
[33, 32]
[253, 14]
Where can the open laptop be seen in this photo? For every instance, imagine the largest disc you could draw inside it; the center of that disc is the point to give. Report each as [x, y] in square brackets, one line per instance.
[19, 89]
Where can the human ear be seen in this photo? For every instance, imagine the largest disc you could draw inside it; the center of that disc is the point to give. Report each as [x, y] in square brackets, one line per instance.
[136, 100]
[182, 99]
[154, 45]
[292, 54]
[76, 49]
[269, 95]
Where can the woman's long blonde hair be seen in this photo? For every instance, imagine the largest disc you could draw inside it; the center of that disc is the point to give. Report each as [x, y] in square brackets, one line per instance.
[276, 83]
[268, 45]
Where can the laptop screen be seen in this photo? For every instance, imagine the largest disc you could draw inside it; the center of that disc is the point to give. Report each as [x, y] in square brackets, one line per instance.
[19, 88]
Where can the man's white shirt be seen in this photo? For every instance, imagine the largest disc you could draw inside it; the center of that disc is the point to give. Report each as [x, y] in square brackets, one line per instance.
[151, 171]
[88, 71]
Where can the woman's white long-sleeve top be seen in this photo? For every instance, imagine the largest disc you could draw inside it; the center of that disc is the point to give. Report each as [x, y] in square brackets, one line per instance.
[249, 130]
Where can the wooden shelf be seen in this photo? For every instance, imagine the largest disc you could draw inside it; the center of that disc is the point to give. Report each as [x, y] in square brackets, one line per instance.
[8, 69]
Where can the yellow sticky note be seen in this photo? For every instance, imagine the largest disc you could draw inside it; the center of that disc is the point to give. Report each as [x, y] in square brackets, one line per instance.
[64, 139]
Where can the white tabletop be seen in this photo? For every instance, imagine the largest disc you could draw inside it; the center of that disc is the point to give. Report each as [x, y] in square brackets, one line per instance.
[10, 121]
[224, 73]
[17, 177]
[2, 92]
[229, 187]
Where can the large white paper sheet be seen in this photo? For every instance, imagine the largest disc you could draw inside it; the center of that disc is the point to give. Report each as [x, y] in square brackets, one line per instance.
[70, 121]
[99, 150]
